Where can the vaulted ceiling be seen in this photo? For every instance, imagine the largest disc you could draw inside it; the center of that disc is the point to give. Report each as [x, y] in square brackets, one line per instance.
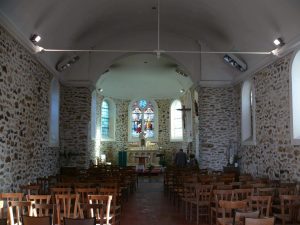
[211, 25]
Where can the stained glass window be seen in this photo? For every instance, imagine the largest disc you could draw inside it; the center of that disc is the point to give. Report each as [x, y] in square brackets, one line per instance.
[105, 119]
[142, 119]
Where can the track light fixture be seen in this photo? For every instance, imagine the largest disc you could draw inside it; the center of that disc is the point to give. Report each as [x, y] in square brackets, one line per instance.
[35, 38]
[235, 62]
[66, 63]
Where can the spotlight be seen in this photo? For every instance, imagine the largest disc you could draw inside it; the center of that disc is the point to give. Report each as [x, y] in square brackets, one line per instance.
[278, 42]
[35, 38]
[100, 89]
[181, 90]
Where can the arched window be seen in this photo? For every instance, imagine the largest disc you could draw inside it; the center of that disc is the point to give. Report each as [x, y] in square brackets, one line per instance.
[176, 121]
[54, 114]
[93, 115]
[107, 120]
[248, 113]
[295, 96]
[143, 119]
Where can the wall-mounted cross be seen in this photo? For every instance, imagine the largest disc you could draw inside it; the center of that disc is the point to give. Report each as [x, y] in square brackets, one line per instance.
[184, 110]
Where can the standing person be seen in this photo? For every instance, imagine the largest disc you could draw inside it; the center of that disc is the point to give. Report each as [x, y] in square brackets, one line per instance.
[180, 158]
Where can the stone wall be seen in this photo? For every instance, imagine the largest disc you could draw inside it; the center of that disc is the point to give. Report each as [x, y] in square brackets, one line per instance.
[273, 155]
[24, 112]
[75, 114]
[218, 125]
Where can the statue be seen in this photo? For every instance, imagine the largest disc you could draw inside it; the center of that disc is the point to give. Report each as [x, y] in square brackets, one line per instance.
[142, 139]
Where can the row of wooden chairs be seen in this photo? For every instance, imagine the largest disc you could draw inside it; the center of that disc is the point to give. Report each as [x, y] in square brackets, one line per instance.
[66, 206]
[61, 195]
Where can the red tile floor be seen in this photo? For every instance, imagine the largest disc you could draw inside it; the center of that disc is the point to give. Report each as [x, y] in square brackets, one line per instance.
[149, 206]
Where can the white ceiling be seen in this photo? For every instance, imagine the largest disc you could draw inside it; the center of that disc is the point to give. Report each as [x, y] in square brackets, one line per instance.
[237, 25]
[143, 75]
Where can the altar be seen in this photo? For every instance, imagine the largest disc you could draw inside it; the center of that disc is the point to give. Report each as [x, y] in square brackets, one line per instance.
[149, 156]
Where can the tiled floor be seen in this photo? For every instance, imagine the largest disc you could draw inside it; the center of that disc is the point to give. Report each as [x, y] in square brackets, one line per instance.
[149, 206]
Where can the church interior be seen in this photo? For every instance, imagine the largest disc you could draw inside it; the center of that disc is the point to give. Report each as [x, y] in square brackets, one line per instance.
[157, 111]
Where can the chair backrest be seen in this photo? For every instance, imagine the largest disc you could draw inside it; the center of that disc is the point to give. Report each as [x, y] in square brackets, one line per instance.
[39, 199]
[261, 203]
[18, 208]
[30, 220]
[204, 192]
[55, 191]
[229, 206]
[40, 210]
[268, 191]
[223, 195]
[289, 205]
[242, 194]
[59, 191]
[87, 221]
[31, 189]
[262, 221]
[99, 207]
[68, 206]
[84, 192]
[286, 191]
[240, 216]
[224, 187]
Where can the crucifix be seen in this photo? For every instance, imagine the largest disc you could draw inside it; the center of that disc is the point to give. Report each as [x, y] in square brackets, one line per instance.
[184, 110]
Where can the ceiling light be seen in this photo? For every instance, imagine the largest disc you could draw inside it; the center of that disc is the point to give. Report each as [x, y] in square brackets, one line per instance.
[100, 89]
[278, 42]
[35, 38]
[181, 90]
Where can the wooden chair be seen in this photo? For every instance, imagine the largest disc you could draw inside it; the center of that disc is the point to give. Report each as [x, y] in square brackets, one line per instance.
[261, 221]
[290, 206]
[99, 207]
[87, 221]
[67, 205]
[218, 195]
[18, 208]
[228, 210]
[203, 201]
[30, 220]
[84, 192]
[242, 194]
[115, 204]
[189, 197]
[6, 197]
[261, 203]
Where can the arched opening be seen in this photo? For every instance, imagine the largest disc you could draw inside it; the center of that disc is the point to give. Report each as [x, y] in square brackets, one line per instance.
[295, 96]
